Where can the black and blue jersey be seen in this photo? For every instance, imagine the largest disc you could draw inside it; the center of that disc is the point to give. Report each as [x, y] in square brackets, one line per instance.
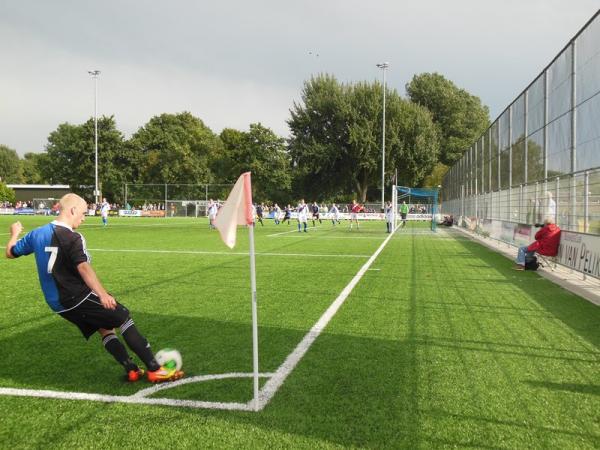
[58, 251]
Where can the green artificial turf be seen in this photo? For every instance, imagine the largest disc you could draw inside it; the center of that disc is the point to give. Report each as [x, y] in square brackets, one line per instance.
[440, 344]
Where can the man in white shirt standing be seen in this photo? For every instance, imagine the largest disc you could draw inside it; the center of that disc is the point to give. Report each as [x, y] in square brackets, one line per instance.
[213, 208]
[302, 210]
[334, 214]
[104, 208]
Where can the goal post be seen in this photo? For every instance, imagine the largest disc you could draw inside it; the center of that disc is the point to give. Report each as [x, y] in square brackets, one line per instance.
[421, 204]
[176, 200]
[46, 206]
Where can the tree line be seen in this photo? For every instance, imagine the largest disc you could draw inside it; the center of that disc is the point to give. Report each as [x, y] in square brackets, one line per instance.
[333, 151]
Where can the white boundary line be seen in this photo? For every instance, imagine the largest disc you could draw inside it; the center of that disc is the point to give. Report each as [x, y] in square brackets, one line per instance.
[268, 391]
[197, 379]
[276, 381]
[141, 397]
[327, 237]
[201, 252]
[295, 230]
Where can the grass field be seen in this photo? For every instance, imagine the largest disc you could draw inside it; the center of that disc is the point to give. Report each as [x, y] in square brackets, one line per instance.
[440, 344]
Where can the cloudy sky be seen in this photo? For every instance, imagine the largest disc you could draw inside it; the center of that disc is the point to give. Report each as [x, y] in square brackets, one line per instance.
[233, 63]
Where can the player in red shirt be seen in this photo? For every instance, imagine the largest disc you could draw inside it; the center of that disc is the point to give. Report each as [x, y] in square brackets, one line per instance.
[355, 208]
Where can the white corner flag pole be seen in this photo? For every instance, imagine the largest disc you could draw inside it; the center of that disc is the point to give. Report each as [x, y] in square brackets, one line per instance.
[238, 211]
[254, 314]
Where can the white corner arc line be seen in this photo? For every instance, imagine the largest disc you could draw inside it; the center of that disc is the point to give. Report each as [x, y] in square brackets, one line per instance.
[196, 379]
[276, 381]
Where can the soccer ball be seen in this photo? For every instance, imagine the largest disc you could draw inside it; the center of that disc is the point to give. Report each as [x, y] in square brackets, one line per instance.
[169, 358]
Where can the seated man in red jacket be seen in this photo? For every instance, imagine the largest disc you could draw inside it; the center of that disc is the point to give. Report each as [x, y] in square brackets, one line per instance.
[546, 243]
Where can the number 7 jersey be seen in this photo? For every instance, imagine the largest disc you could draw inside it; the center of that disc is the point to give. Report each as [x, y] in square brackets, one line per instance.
[58, 251]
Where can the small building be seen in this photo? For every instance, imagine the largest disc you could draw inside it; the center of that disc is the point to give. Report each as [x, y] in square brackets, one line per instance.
[27, 192]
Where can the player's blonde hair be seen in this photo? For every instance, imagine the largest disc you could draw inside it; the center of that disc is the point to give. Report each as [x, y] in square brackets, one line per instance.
[71, 200]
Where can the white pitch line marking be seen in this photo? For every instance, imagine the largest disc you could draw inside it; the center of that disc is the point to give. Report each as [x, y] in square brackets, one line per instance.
[123, 399]
[142, 225]
[276, 381]
[286, 232]
[327, 237]
[141, 397]
[200, 252]
[196, 379]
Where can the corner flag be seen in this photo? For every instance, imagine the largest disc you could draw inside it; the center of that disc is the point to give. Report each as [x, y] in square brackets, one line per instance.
[238, 211]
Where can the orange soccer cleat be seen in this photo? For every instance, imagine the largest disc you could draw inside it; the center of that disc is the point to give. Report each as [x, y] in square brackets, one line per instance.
[164, 374]
[135, 375]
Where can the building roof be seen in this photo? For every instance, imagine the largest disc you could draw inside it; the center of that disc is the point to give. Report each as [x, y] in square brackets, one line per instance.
[39, 186]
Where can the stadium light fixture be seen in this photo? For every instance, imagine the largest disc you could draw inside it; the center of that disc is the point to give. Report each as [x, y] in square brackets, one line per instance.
[383, 66]
[95, 74]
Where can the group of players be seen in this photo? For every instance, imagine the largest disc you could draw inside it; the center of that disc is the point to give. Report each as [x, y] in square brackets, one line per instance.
[302, 211]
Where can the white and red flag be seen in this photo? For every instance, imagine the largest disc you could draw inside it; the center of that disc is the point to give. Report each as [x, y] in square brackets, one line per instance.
[236, 211]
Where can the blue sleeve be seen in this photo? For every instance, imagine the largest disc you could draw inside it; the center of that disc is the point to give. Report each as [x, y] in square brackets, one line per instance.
[24, 246]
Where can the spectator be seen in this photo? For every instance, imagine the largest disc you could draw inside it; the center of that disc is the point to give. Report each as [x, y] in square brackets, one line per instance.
[546, 243]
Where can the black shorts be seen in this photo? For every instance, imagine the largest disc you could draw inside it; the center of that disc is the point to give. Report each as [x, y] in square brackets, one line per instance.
[403, 215]
[90, 315]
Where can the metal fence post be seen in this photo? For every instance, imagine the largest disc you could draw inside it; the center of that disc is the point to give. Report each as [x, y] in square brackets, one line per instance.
[573, 185]
[586, 202]
[545, 124]
[520, 203]
[536, 203]
[557, 201]
[525, 133]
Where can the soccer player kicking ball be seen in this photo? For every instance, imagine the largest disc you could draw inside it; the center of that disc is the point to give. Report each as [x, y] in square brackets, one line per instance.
[73, 291]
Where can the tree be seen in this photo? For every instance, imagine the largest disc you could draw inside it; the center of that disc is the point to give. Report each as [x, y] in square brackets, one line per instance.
[10, 168]
[336, 138]
[435, 178]
[31, 168]
[319, 142]
[70, 158]
[174, 148]
[262, 152]
[6, 193]
[460, 116]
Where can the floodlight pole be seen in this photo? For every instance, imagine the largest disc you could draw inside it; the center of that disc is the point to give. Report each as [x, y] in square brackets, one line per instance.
[95, 74]
[383, 66]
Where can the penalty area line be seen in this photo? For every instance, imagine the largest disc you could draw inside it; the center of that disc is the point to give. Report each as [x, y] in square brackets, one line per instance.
[276, 381]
